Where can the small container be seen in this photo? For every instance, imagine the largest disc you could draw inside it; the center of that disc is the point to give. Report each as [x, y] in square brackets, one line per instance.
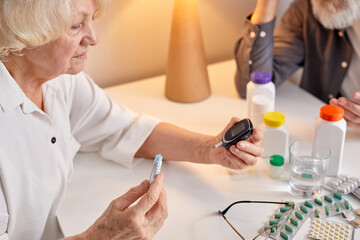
[276, 170]
[276, 134]
[260, 96]
[330, 129]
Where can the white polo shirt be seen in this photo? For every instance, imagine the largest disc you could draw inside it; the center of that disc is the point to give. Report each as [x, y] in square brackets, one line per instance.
[37, 148]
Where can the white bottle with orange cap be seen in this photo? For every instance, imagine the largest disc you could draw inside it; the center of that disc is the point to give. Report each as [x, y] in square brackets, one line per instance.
[330, 129]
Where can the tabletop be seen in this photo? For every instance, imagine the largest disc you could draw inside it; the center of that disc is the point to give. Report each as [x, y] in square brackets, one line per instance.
[196, 192]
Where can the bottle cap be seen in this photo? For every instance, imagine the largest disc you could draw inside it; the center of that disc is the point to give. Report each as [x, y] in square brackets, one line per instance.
[260, 77]
[331, 113]
[274, 119]
[277, 160]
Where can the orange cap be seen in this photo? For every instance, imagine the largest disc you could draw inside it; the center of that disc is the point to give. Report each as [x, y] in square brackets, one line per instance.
[331, 113]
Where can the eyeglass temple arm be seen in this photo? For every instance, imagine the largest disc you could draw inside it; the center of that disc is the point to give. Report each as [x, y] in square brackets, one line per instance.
[221, 213]
[248, 201]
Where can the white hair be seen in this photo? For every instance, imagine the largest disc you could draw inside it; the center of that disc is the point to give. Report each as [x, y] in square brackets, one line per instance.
[31, 23]
[334, 16]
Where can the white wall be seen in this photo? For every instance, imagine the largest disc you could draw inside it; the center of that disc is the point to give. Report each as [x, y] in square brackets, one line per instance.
[134, 36]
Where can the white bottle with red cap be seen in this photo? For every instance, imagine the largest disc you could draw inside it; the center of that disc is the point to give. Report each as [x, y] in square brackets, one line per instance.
[330, 129]
[260, 96]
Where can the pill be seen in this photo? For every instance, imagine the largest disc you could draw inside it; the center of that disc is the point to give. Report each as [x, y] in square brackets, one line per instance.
[289, 229]
[277, 215]
[357, 212]
[342, 178]
[328, 199]
[337, 207]
[273, 222]
[303, 209]
[333, 183]
[317, 213]
[318, 201]
[284, 235]
[347, 205]
[307, 175]
[327, 210]
[338, 196]
[273, 230]
[294, 222]
[343, 189]
[355, 179]
[284, 209]
[299, 215]
[356, 222]
[308, 204]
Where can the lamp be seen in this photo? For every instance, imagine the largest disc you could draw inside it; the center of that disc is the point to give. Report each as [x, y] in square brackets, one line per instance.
[186, 74]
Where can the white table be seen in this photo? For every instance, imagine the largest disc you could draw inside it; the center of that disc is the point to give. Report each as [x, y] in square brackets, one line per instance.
[195, 192]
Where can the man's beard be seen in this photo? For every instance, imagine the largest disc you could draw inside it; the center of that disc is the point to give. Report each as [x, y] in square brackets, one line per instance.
[336, 17]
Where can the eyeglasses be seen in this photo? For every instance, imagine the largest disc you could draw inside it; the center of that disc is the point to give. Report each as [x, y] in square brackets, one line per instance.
[274, 226]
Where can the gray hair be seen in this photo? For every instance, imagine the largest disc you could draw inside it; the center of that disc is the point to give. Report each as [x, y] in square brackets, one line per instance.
[32, 23]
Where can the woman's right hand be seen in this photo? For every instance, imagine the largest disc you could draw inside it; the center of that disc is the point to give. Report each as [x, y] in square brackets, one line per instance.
[139, 221]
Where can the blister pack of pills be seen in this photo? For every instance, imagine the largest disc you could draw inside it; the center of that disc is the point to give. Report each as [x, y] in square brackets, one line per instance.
[344, 184]
[318, 208]
[290, 223]
[326, 230]
[330, 205]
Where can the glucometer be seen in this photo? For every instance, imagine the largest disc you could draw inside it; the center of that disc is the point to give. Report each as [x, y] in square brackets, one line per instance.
[242, 130]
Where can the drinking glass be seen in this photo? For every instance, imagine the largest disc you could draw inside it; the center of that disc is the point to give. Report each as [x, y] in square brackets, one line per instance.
[308, 164]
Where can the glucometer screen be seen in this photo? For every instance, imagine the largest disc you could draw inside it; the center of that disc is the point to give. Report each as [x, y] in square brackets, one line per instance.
[237, 130]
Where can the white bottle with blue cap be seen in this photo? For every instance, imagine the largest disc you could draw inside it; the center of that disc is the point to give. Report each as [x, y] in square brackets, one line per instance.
[260, 96]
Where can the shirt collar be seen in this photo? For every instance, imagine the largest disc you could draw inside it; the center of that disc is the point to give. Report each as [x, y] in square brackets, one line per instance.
[11, 94]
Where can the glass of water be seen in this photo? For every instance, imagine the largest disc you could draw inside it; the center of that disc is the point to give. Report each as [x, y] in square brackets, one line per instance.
[308, 164]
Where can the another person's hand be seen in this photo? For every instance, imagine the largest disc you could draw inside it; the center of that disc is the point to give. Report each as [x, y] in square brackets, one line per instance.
[241, 155]
[139, 221]
[351, 108]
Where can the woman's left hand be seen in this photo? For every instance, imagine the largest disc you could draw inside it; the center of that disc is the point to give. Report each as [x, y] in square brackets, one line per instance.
[241, 155]
[351, 109]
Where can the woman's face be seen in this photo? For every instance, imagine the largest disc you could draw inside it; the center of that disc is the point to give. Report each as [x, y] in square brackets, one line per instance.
[67, 54]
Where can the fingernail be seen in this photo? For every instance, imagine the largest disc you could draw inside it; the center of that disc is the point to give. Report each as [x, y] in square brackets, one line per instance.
[342, 101]
[243, 145]
[161, 177]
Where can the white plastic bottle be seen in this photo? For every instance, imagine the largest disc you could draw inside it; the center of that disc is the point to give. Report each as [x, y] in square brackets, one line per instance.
[260, 96]
[276, 168]
[330, 129]
[276, 135]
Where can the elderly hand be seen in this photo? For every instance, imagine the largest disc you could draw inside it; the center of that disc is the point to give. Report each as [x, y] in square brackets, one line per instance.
[140, 221]
[351, 108]
[241, 155]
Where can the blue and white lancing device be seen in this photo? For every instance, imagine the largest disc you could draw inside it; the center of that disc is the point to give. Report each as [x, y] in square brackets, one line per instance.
[242, 130]
[156, 168]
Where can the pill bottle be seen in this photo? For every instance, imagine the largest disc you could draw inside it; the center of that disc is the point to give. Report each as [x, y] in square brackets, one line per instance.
[276, 170]
[260, 96]
[276, 134]
[330, 129]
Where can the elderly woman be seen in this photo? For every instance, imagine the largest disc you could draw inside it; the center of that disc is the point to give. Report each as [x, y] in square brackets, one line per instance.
[50, 110]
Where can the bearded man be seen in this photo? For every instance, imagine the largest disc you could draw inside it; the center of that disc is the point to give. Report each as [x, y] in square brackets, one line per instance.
[320, 36]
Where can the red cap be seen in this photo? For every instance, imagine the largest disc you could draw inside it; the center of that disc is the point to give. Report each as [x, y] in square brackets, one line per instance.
[331, 113]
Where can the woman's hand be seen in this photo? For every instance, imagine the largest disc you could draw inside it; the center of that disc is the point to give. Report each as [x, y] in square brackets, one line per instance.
[122, 220]
[241, 155]
[351, 109]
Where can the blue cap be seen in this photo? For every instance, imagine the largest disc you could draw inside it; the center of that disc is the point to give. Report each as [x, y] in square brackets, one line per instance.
[260, 77]
[158, 158]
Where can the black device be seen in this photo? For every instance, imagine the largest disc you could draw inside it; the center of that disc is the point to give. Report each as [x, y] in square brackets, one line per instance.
[242, 130]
